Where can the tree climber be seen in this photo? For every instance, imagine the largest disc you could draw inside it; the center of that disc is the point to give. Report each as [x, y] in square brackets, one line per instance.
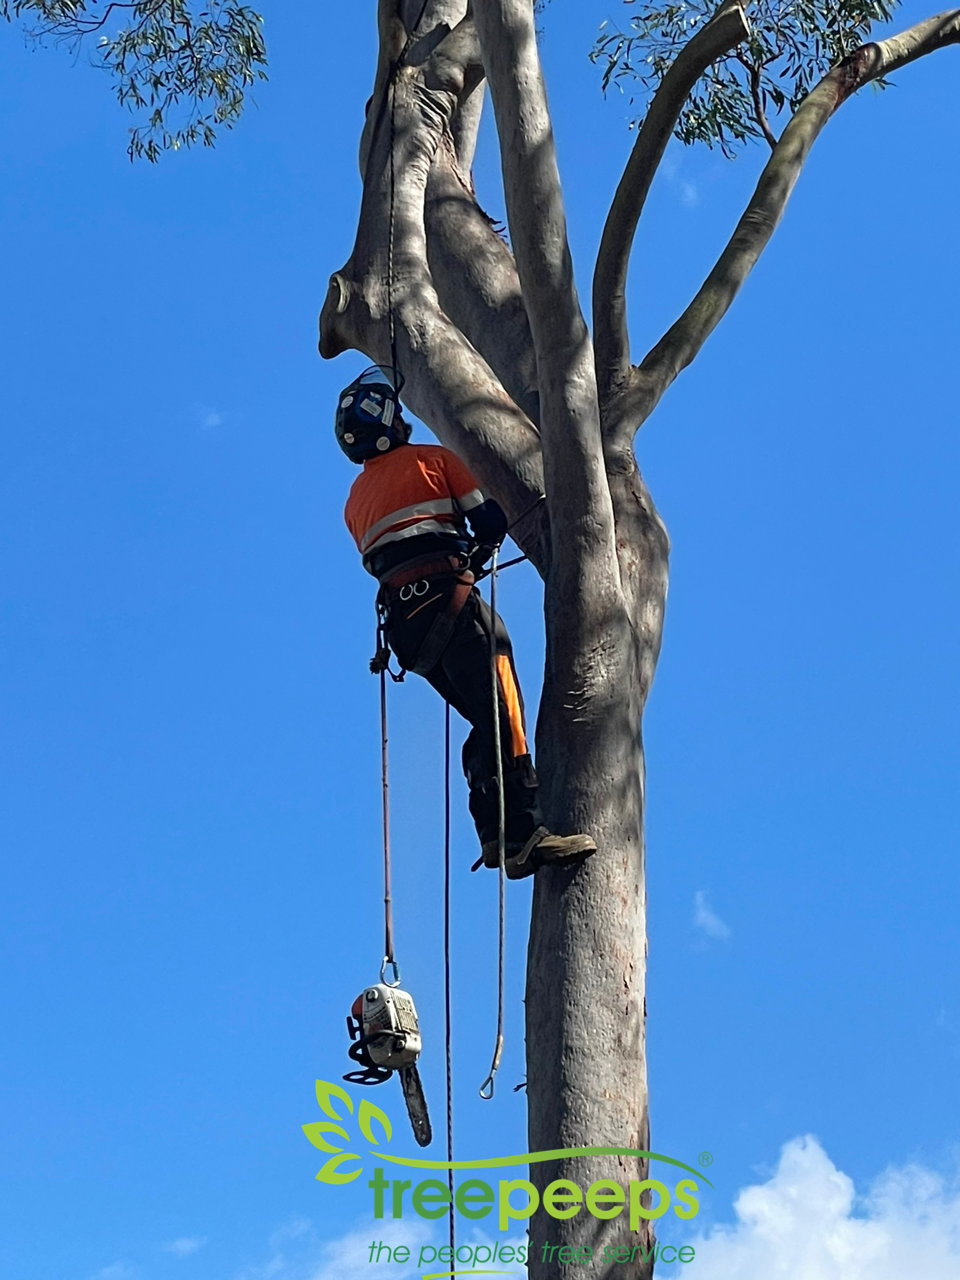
[408, 513]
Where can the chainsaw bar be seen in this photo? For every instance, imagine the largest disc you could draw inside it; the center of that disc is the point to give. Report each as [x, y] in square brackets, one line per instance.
[416, 1104]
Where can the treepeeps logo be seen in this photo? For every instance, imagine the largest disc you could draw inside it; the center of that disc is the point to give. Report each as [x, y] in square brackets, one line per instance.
[474, 1198]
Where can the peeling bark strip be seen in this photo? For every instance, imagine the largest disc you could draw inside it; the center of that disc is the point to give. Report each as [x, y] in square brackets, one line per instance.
[499, 363]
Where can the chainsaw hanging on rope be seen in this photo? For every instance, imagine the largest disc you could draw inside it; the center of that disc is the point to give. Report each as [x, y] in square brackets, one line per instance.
[385, 1031]
[383, 1024]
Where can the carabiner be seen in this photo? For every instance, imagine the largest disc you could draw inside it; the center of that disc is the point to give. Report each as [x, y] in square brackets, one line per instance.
[388, 963]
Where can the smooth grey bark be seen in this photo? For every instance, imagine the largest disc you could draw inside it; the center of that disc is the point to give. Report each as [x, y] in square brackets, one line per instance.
[725, 30]
[499, 362]
[640, 389]
[585, 1004]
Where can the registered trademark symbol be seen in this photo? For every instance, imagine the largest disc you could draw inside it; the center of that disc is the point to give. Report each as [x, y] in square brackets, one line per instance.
[705, 1158]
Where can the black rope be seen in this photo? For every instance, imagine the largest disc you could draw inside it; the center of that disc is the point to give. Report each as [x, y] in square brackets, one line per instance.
[446, 968]
[486, 1089]
[507, 564]
[523, 515]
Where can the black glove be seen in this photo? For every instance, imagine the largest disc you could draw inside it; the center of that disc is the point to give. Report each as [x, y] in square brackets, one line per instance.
[479, 556]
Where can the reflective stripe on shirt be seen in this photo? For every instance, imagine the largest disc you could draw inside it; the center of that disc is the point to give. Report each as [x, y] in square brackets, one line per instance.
[448, 527]
[410, 490]
[416, 513]
[415, 519]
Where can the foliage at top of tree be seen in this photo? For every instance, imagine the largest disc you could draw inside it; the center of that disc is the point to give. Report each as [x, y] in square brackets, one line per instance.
[187, 71]
[792, 44]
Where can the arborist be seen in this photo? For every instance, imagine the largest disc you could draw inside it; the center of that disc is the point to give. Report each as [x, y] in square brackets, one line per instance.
[424, 530]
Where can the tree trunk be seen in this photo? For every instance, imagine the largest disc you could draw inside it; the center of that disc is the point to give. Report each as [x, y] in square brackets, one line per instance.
[499, 363]
[586, 969]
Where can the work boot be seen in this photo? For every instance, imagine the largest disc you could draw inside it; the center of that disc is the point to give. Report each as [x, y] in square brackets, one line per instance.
[541, 850]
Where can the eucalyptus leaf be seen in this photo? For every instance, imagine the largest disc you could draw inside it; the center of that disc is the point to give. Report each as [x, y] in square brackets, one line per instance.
[189, 70]
[792, 44]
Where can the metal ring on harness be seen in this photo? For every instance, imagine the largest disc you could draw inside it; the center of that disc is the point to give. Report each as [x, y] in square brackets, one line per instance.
[410, 589]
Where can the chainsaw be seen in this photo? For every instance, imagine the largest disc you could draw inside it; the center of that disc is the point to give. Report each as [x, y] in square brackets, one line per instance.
[385, 1035]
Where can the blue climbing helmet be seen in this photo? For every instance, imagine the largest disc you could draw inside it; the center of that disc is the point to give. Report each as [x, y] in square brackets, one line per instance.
[369, 421]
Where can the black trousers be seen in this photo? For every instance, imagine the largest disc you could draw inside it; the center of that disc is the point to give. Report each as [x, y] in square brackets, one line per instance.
[462, 676]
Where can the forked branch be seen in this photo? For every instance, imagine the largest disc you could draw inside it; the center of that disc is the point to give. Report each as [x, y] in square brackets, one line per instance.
[681, 344]
[726, 29]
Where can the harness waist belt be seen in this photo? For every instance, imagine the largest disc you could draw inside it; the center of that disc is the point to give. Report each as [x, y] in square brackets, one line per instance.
[424, 569]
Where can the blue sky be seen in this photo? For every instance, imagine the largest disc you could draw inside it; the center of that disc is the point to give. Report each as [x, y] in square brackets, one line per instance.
[189, 778]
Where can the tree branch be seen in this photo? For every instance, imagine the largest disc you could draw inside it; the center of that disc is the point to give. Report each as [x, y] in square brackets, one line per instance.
[756, 92]
[448, 383]
[476, 280]
[681, 344]
[611, 338]
[578, 497]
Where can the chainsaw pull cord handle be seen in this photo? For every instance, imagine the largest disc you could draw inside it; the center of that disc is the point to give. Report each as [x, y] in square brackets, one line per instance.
[487, 1088]
[389, 960]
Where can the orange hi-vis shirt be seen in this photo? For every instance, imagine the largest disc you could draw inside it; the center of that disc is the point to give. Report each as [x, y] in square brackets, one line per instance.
[415, 489]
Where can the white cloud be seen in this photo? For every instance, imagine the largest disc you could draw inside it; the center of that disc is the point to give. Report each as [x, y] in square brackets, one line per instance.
[807, 1223]
[349, 1257]
[116, 1271]
[207, 417]
[298, 1253]
[185, 1245]
[706, 919]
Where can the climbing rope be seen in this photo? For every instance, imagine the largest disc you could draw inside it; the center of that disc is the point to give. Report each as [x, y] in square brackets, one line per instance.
[389, 960]
[486, 1089]
[446, 965]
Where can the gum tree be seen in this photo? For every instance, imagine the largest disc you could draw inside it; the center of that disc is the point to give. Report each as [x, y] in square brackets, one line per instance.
[499, 361]
[185, 71]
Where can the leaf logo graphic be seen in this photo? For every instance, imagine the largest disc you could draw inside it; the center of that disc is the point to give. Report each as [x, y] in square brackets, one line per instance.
[317, 1131]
